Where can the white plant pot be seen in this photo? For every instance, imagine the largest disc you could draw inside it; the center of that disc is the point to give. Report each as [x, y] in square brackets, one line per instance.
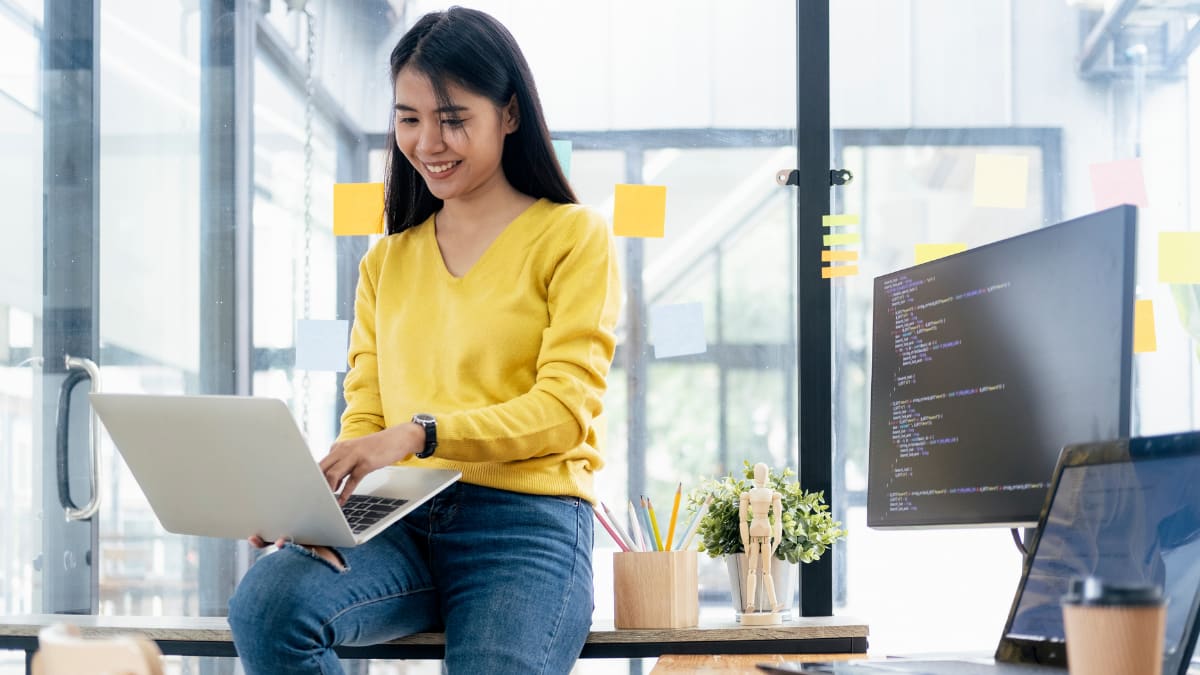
[783, 575]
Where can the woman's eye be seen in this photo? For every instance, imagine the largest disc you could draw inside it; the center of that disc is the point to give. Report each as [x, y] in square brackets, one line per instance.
[407, 121]
[453, 122]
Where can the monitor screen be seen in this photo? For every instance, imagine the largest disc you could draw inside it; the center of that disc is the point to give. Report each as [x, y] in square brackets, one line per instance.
[986, 363]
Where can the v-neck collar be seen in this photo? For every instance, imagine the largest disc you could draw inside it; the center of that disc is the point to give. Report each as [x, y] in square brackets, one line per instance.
[487, 253]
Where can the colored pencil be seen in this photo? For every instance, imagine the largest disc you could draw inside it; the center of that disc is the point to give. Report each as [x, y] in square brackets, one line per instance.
[654, 524]
[629, 545]
[635, 526]
[695, 525]
[617, 539]
[646, 526]
[674, 516]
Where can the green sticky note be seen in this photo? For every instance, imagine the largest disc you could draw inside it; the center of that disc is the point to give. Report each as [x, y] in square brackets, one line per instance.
[1179, 257]
[640, 210]
[1001, 181]
[840, 239]
[839, 219]
[927, 252]
[562, 149]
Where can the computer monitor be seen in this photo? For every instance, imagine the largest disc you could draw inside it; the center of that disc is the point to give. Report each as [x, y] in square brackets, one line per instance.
[986, 363]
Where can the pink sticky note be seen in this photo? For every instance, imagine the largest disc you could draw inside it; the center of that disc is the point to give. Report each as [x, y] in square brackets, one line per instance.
[1119, 182]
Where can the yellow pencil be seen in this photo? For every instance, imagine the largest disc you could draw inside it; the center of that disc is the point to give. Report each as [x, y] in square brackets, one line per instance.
[674, 515]
[654, 525]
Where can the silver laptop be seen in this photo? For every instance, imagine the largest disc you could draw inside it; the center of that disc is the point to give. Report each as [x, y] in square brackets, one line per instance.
[236, 466]
[1127, 511]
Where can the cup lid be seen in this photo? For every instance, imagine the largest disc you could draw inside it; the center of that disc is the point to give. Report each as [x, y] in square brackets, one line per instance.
[1095, 591]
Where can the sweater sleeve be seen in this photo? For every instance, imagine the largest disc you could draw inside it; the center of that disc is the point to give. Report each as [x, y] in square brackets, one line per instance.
[364, 411]
[556, 414]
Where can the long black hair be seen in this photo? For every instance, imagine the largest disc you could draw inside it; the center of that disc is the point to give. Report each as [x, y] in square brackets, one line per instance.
[474, 51]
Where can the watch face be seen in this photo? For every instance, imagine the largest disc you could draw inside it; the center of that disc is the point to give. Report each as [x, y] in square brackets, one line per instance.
[422, 418]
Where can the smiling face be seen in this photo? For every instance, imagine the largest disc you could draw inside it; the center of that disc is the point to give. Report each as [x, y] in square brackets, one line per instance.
[456, 147]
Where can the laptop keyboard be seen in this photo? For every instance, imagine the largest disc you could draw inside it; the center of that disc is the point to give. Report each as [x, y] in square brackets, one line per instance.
[363, 511]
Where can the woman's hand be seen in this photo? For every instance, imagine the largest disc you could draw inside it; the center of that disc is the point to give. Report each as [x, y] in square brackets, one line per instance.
[323, 551]
[351, 460]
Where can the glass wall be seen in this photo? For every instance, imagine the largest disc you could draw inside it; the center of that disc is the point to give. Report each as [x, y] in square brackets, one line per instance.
[213, 237]
[918, 90]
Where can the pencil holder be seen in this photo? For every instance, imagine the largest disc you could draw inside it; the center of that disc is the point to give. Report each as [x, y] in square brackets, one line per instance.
[655, 589]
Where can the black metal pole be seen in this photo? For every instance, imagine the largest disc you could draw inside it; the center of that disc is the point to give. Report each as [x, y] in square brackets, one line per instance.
[814, 330]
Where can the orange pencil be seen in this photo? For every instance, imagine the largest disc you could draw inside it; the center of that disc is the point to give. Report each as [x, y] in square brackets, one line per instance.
[674, 516]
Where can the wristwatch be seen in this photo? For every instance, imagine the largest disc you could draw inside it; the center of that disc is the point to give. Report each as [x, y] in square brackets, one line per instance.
[428, 423]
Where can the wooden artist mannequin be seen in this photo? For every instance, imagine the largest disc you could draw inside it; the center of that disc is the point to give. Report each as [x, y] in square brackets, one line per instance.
[760, 538]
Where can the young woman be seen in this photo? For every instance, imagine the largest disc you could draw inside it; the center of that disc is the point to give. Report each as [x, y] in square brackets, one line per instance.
[484, 320]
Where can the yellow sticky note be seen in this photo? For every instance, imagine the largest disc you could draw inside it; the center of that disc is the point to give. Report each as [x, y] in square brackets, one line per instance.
[841, 239]
[640, 210]
[1179, 257]
[838, 256]
[357, 208]
[927, 252]
[1144, 338]
[829, 272]
[1001, 181]
[839, 219]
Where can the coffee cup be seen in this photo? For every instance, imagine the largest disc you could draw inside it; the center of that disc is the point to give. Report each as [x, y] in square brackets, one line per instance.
[1114, 629]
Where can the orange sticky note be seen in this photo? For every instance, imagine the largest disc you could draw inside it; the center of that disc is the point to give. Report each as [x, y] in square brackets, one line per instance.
[357, 209]
[838, 256]
[927, 252]
[1144, 338]
[1179, 257]
[640, 210]
[829, 272]
[1001, 181]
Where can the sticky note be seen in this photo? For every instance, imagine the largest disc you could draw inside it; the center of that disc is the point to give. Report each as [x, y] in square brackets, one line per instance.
[322, 344]
[1119, 182]
[831, 271]
[1001, 181]
[562, 149]
[841, 239]
[357, 208]
[840, 220]
[1144, 339]
[927, 252]
[640, 210]
[839, 256]
[1179, 257]
[677, 330]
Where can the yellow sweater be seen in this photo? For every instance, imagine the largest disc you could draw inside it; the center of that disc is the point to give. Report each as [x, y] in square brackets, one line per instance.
[511, 358]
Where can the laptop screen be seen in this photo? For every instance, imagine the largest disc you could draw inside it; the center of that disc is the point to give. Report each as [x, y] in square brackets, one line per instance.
[1125, 522]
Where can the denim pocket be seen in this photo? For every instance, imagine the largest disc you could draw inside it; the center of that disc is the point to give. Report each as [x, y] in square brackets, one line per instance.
[569, 500]
[306, 551]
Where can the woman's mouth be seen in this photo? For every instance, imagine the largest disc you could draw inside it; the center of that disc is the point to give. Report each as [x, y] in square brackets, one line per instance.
[441, 169]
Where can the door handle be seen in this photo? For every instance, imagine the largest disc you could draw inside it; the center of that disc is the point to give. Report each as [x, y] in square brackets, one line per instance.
[78, 370]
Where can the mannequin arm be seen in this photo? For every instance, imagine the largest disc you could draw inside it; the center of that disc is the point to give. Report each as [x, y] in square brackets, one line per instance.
[777, 526]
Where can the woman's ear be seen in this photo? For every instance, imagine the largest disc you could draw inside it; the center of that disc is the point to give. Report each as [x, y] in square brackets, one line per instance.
[511, 114]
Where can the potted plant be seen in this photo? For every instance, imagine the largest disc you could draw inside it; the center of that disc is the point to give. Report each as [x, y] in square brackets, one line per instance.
[808, 527]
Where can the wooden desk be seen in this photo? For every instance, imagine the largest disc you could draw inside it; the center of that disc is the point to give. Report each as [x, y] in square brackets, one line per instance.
[210, 636]
[733, 664]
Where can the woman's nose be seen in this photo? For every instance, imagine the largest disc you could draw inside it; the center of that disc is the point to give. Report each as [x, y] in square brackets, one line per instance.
[430, 140]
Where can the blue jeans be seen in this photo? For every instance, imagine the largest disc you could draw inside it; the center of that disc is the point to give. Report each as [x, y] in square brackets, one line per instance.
[508, 576]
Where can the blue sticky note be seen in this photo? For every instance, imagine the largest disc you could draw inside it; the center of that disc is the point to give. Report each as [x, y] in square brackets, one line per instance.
[322, 344]
[677, 330]
[563, 150]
